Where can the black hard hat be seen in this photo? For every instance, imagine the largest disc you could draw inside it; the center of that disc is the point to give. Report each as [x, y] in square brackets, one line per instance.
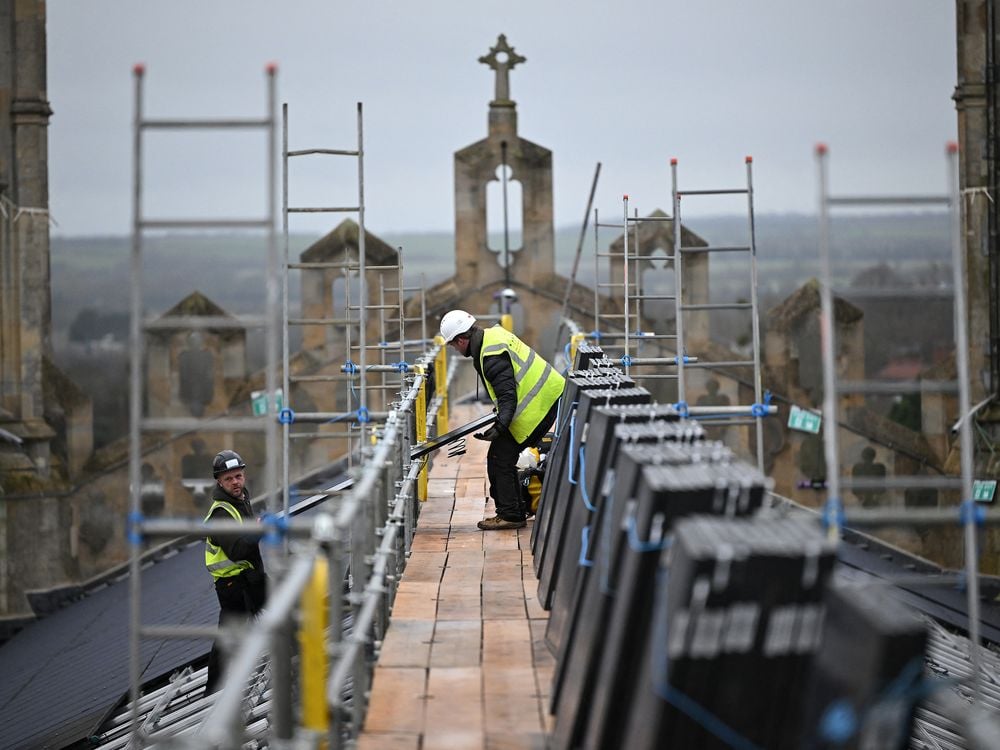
[226, 460]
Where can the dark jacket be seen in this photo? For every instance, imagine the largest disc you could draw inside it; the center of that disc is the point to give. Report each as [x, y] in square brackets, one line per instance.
[499, 373]
[242, 547]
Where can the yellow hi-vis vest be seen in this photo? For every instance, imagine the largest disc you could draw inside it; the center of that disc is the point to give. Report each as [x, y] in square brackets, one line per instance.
[539, 385]
[216, 561]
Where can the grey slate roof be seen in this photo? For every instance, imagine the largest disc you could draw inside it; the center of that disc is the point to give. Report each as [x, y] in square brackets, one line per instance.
[63, 674]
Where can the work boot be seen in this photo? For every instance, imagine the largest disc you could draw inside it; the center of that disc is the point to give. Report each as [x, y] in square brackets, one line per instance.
[496, 523]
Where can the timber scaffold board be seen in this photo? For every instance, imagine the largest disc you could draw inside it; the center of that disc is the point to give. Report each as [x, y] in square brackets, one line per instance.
[463, 663]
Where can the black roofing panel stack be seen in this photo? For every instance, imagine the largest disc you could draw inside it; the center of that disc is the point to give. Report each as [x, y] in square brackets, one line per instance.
[565, 496]
[600, 452]
[576, 381]
[665, 495]
[619, 570]
[738, 615]
[868, 671]
[586, 354]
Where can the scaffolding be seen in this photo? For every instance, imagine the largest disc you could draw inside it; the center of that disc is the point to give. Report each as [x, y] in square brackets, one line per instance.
[971, 516]
[139, 421]
[635, 295]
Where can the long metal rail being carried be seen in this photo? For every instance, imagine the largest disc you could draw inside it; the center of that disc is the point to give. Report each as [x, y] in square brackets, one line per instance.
[834, 387]
[139, 421]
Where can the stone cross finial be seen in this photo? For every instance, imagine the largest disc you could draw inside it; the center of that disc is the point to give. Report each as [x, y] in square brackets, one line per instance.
[502, 58]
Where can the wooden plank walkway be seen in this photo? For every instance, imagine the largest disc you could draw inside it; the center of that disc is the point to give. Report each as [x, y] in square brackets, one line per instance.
[463, 663]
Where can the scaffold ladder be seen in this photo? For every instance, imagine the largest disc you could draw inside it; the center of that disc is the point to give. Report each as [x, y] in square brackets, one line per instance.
[833, 387]
[737, 414]
[139, 422]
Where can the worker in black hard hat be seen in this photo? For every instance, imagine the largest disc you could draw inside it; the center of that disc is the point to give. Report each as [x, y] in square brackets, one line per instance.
[234, 562]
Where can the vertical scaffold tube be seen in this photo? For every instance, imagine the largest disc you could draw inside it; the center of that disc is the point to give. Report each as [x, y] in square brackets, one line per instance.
[828, 346]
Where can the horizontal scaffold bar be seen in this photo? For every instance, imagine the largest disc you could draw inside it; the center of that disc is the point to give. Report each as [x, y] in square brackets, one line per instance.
[211, 424]
[719, 306]
[723, 191]
[888, 200]
[901, 482]
[324, 151]
[321, 321]
[322, 209]
[184, 322]
[204, 223]
[717, 249]
[164, 124]
[899, 386]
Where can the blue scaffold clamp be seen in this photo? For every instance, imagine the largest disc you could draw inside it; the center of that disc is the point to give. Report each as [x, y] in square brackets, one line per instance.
[402, 366]
[682, 409]
[349, 367]
[833, 513]
[286, 416]
[762, 410]
[132, 531]
[362, 415]
[626, 360]
[971, 512]
[682, 360]
[595, 334]
[277, 527]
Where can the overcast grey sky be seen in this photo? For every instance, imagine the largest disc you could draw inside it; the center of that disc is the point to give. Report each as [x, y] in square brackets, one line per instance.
[629, 83]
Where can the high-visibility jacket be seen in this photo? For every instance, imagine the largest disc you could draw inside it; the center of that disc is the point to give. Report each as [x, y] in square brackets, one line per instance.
[539, 385]
[216, 561]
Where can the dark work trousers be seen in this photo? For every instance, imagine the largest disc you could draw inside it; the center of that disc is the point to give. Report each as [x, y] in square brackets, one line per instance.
[501, 468]
[239, 601]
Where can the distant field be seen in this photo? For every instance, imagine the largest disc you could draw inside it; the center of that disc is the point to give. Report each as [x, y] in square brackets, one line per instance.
[229, 268]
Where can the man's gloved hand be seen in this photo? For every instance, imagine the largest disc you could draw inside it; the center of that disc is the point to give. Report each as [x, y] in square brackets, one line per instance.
[490, 434]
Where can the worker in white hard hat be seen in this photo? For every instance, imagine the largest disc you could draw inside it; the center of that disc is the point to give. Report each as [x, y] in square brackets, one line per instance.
[526, 391]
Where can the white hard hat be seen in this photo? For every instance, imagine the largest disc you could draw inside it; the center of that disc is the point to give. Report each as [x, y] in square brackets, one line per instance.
[455, 323]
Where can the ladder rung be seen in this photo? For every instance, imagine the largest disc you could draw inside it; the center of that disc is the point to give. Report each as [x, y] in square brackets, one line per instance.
[648, 257]
[322, 209]
[327, 151]
[901, 482]
[729, 191]
[651, 296]
[640, 219]
[374, 307]
[615, 284]
[610, 226]
[888, 200]
[652, 376]
[320, 378]
[717, 249]
[204, 321]
[887, 293]
[719, 306]
[205, 124]
[727, 363]
[203, 223]
[907, 386]
[209, 424]
[321, 321]
[644, 337]
[321, 266]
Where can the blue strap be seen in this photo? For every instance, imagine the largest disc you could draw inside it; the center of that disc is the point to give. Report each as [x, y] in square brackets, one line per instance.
[286, 416]
[349, 367]
[761, 410]
[971, 512]
[572, 440]
[682, 360]
[638, 544]
[362, 414]
[682, 409]
[626, 360]
[584, 544]
[583, 484]
[132, 531]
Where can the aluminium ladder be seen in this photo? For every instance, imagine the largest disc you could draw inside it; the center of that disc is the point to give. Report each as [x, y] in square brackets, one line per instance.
[747, 414]
[139, 326]
[832, 388]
